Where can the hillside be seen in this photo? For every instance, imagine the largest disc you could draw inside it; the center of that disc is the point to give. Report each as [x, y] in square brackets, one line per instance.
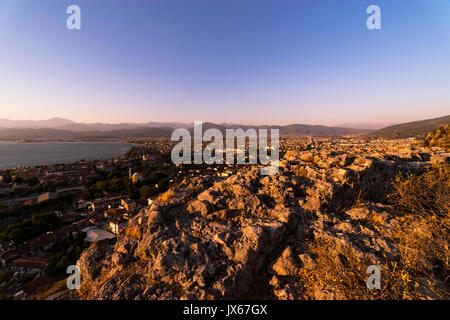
[65, 124]
[308, 232]
[49, 123]
[101, 131]
[62, 135]
[291, 130]
[53, 134]
[411, 129]
[303, 129]
[83, 127]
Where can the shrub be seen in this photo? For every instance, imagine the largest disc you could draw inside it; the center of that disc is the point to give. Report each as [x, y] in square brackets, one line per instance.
[31, 227]
[423, 235]
[421, 204]
[342, 270]
[427, 194]
[5, 275]
[166, 196]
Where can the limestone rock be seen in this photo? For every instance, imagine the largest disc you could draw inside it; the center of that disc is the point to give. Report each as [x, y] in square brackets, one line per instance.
[286, 264]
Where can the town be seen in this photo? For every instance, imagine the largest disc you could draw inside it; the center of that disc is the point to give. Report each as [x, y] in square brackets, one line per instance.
[49, 209]
[50, 213]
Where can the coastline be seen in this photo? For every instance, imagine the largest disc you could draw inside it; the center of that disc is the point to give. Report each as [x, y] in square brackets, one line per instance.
[58, 152]
[64, 141]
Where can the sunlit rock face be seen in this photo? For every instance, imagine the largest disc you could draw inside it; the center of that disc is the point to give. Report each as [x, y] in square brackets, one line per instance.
[246, 236]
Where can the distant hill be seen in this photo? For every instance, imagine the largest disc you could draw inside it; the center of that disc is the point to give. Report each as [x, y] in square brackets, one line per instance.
[366, 125]
[315, 130]
[52, 134]
[64, 124]
[16, 134]
[290, 130]
[80, 127]
[411, 129]
[50, 123]
[48, 134]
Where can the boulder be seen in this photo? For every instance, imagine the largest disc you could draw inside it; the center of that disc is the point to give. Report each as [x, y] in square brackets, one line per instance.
[286, 264]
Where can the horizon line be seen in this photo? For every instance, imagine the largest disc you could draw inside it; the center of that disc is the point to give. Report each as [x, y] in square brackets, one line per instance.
[339, 124]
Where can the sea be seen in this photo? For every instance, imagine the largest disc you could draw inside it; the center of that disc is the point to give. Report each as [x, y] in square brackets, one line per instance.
[13, 154]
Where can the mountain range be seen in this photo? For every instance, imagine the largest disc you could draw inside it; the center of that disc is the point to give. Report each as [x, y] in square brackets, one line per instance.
[63, 129]
[65, 124]
[50, 123]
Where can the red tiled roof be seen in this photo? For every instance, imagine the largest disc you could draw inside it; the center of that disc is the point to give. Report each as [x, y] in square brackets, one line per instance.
[29, 264]
[115, 212]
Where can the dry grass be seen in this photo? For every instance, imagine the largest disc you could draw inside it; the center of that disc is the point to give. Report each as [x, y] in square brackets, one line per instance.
[423, 235]
[48, 290]
[426, 195]
[166, 196]
[422, 205]
[342, 270]
[329, 273]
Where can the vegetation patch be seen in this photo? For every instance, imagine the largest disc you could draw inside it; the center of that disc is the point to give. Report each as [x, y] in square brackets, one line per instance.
[419, 271]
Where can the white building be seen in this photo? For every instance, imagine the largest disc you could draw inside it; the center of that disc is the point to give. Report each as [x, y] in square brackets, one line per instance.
[136, 177]
[117, 225]
[94, 234]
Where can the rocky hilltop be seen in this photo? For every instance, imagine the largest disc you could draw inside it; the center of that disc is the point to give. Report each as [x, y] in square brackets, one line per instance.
[249, 236]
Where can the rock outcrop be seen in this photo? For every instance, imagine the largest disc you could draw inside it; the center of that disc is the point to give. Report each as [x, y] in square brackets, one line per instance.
[246, 236]
[439, 138]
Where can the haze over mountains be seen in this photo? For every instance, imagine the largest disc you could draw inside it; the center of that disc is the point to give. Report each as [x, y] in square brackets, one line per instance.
[50, 123]
[63, 129]
[65, 124]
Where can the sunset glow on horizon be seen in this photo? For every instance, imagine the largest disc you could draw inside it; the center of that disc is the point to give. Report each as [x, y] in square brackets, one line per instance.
[249, 62]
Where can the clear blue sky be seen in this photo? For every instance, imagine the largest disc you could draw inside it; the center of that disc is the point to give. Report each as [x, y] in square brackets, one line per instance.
[246, 61]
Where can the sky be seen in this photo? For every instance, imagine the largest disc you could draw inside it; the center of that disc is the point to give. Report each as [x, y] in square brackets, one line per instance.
[233, 61]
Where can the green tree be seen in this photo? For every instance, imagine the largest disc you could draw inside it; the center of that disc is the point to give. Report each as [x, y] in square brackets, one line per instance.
[116, 185]
[33, 181]
[5, 275]
[101, 186]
